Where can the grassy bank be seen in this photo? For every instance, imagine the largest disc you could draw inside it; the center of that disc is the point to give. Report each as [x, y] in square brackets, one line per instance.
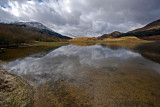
[125, 39]
[121, 39]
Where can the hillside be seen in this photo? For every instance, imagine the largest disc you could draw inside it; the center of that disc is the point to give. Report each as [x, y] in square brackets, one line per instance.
[15, 35]
[124, 39]
[40, 28]
[152, 25]
[31, 24]
[149, 32]
[111, 35]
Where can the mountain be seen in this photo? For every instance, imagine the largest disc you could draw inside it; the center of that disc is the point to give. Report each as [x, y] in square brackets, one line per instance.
[111, 35]
[16, 34]
[40, 28]
[149, 32]
[153, 25]
[31, 24]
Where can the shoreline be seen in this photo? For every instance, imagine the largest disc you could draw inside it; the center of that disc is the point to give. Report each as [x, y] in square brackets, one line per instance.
[57, 44]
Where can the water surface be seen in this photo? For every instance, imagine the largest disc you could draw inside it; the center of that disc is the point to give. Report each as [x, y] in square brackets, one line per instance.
[96, 75]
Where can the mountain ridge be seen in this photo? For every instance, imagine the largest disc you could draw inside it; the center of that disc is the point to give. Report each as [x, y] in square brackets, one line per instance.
[150, 32]
[150, 26]
[110, 35]
[40, 28]
[32, 24]
[13, 35]
[153, 24]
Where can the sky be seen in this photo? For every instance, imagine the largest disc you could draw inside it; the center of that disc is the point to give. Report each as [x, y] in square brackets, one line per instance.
[82, 18]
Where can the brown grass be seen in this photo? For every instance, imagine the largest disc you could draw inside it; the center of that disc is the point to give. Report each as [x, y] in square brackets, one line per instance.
[83, 39]
[125, 39]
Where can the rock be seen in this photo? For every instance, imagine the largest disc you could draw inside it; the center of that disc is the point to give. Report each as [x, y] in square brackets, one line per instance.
[14, 91]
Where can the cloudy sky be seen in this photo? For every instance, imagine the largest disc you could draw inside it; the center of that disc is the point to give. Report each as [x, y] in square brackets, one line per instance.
[78, 18]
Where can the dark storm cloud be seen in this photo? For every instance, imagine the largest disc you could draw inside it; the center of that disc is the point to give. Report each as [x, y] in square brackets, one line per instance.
[85, 17]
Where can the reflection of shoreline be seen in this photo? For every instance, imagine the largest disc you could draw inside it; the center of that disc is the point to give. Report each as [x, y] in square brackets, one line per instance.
[149, 53]
[13, 54]
[148, 50]
[14, 91]
[151, 56]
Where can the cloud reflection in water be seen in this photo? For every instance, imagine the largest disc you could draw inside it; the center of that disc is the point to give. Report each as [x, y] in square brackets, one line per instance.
[68, 60]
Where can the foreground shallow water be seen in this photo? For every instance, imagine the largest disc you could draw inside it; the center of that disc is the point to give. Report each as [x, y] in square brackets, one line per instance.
[94, 75]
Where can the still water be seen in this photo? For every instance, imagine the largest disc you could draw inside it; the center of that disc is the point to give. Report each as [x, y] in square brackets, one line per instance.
[96, 75]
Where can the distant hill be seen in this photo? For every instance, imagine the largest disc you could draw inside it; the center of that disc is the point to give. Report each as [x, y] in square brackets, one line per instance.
[15, 34]
[149, 32]
[111, 35]
[31, 24]
[152, 25]
[40, 28]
